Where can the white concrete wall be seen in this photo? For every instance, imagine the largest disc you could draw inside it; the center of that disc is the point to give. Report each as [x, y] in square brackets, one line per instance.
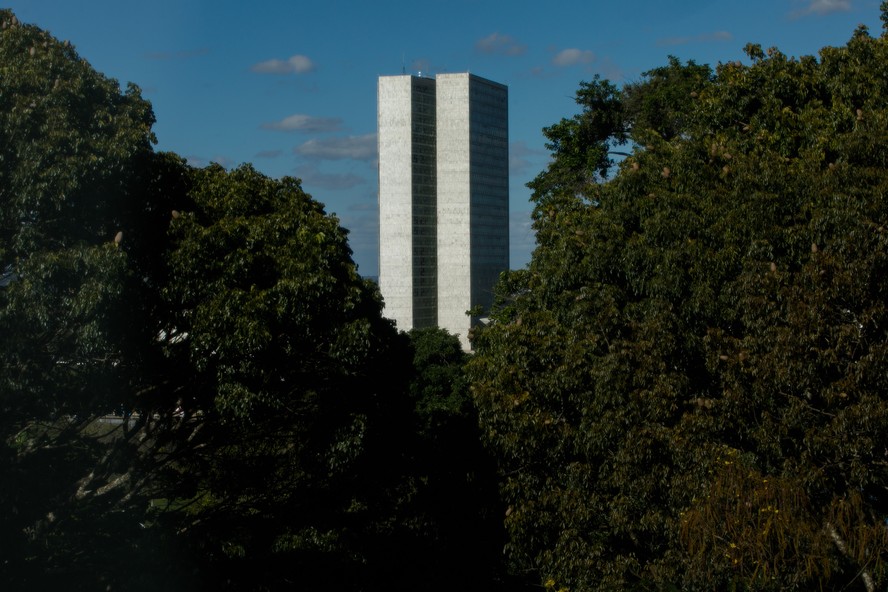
[454, 204]
[473, 196]
[395, 197]
[407, 260]
[443, 197]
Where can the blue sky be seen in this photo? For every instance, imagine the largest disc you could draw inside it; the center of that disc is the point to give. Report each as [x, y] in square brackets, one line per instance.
[291, 86]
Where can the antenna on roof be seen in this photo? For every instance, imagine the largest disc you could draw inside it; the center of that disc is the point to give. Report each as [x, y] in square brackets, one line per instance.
[403, 64]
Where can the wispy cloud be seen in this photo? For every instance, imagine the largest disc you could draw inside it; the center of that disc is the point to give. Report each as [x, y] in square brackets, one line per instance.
[500, 44]
[304, 123]
[821, 7]
[522, 239]
[702, 38]
[364, 206]
[362, 220]
[225, 161]
[200, 161]
[519, 158]
[540, 72]
[177, 55]
[269, 153]
[196, 161]
[421, 65]
[313, 178]
[297, 64]
[349, 147]
[573, 57]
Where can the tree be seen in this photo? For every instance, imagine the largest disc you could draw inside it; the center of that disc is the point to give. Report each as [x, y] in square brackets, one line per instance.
[581, 146]
[661, 103]
[290, 417]
[197, 389]
[81, 193]
[220, 313]
[684, 389]
[71, 151]
[451, 534]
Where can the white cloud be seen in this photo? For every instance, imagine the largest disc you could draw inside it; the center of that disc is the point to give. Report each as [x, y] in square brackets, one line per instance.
[350, 147]
[825, 6]
[500, 44]
[822, 7]
[304, 123]
[297, 64]
[572, 57]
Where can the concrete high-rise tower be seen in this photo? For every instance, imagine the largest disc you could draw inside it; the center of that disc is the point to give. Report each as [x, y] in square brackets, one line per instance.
[407, 260]
[443, 197]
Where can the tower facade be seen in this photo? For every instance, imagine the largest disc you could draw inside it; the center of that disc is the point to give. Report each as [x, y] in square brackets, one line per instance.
[443, 197]
[407, 227]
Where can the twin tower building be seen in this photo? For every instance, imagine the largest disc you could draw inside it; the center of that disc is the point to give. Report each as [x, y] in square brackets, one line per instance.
[443, 198]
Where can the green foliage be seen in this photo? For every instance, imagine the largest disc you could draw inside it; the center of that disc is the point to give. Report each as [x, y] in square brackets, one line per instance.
[263, 279]
[289, 395]
[453, 519]
[71, 150]
[581, 145]
[661, 103]
[276, 431]
[685, 389]
[652, 110]
[69, 144]
[81, 245]
[439, 387]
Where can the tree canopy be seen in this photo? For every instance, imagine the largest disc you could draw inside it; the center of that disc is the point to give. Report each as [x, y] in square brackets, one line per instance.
[685, 389]
[79, 196]
[303, 466]
[198, 390]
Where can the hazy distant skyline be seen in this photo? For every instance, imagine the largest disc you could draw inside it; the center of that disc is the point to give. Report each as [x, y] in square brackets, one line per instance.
[291, 87]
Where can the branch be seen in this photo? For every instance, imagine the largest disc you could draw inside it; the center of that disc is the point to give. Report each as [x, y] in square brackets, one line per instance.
[843, 548]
